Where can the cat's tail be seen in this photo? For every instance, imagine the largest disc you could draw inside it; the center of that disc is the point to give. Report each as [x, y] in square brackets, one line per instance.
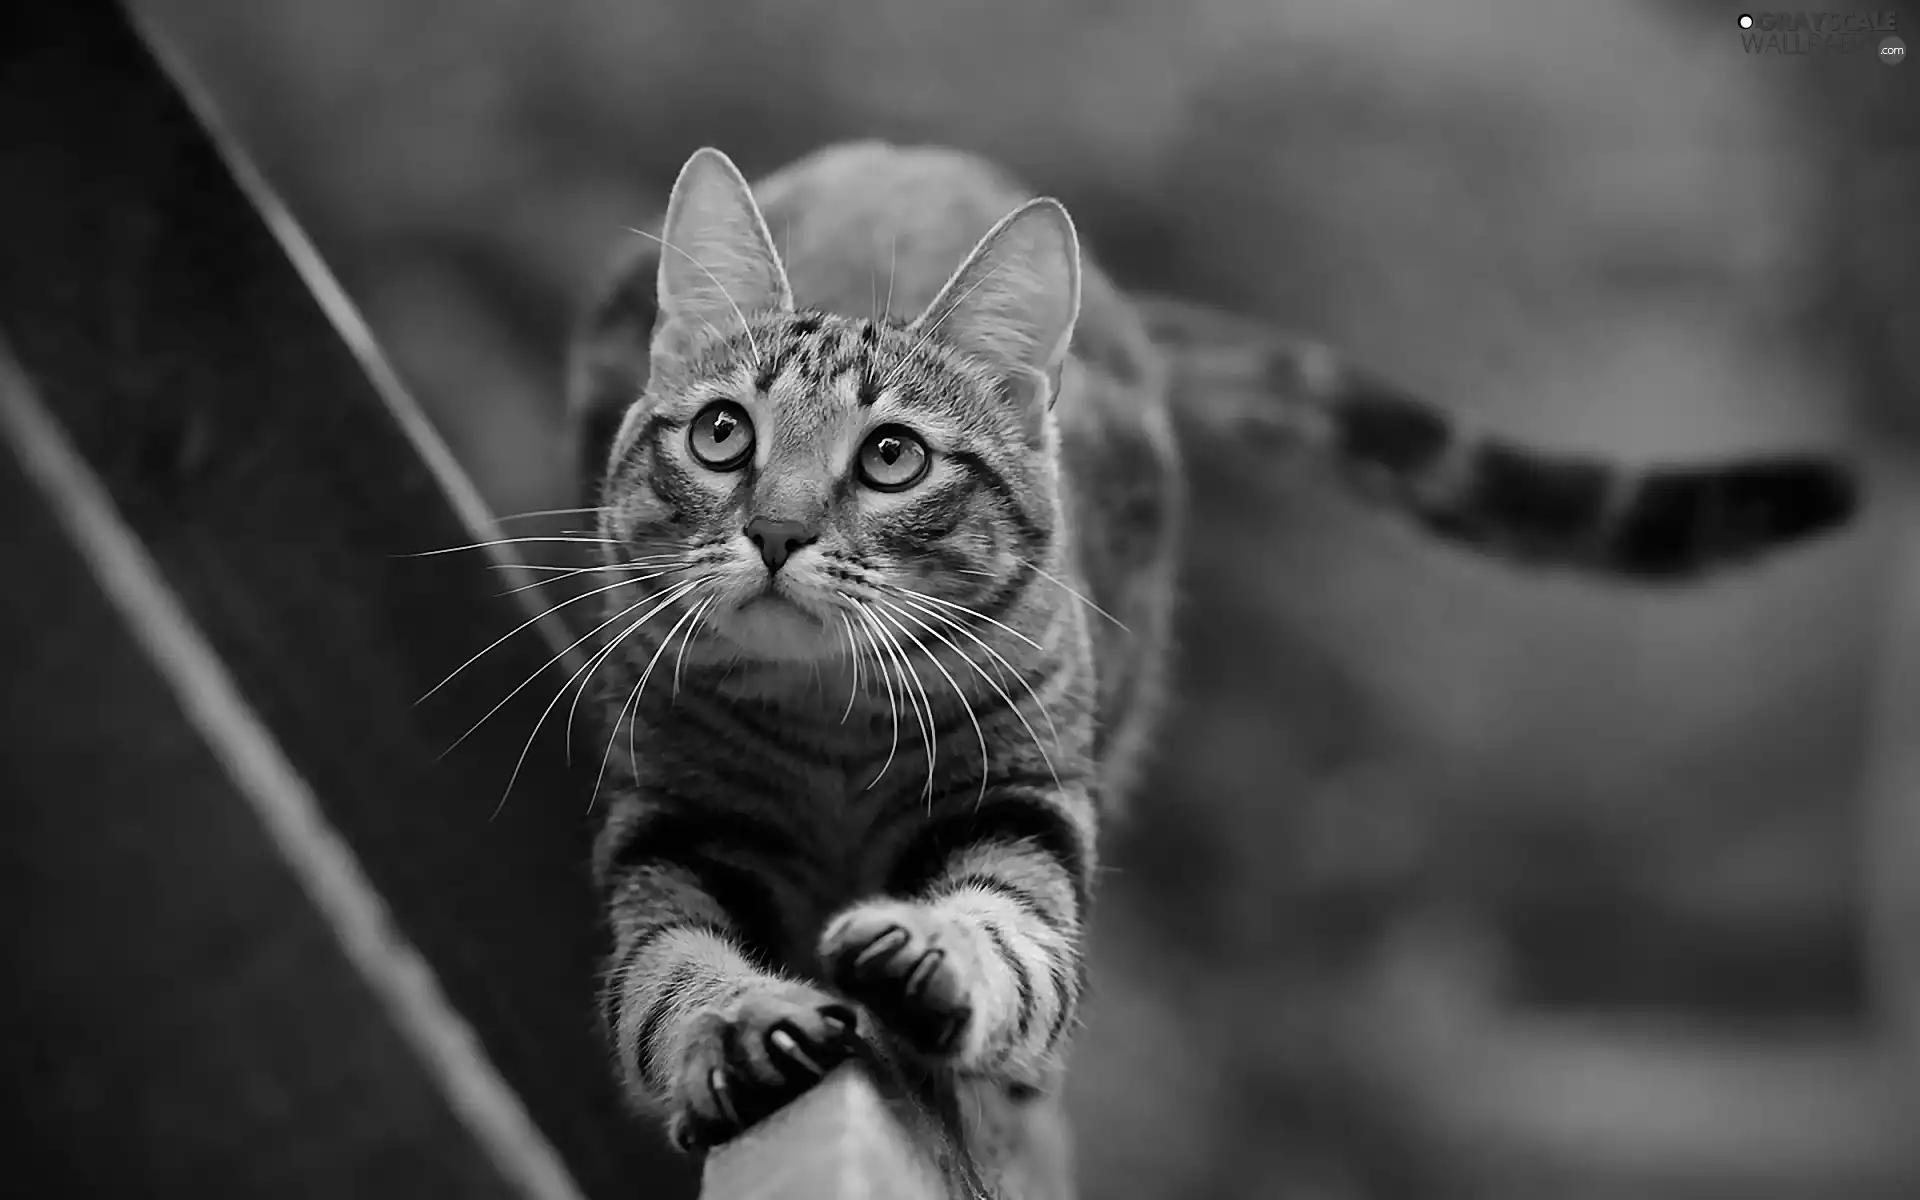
[1656, 523]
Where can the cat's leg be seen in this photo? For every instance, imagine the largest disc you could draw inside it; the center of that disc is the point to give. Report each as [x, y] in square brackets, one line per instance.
[974, 959]
[704, 1035]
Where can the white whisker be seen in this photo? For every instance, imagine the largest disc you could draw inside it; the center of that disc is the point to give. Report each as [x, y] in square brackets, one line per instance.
[693, 631]
[975, 613]
[1041, 572]
[1052, 730]
[558, 574]
[565, 573]
[548, 512]
[745, 328]
[528, 624]
[634, 700]
[638, 564]
[583, 673]
[928, 736]
[895, 613]
[512, 541]
[893, 260]
[927, 333]
[543, 669]
[853, 654]
[666, 600]
[1002, 692]
[893, 705]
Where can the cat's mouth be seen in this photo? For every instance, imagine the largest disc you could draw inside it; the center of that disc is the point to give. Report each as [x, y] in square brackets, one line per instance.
[779, 597]
[772, 592]
[770, 599]
[774, 624]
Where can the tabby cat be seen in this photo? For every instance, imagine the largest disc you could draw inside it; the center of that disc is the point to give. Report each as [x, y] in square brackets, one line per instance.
[890, 523]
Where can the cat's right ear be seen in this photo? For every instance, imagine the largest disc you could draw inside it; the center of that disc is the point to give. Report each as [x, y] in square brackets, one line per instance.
[717, 261]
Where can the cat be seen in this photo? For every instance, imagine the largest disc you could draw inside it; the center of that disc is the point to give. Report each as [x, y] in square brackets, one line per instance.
[877, 773]
[891, 516]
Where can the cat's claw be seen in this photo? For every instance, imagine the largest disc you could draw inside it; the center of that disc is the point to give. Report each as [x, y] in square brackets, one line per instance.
[744, 1063]
[907, 968]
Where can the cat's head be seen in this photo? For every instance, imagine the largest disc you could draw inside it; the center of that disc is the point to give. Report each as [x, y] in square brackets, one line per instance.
[807, 476]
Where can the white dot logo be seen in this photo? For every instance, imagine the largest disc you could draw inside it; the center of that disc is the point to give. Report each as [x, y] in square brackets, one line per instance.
[1746, 22]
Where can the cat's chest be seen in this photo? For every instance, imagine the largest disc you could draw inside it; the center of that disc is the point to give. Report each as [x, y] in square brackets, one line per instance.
[841, 795]
[858, 836]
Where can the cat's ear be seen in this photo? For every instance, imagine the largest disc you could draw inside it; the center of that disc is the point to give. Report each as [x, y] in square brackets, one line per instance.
[717, 261]
[1015, 299]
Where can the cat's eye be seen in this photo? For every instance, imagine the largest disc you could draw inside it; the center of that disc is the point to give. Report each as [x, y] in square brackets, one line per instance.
[893, 459]
[721, 437]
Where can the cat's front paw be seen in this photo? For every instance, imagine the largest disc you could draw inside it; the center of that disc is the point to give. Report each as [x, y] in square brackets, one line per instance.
[749, 1058]
[911, 967]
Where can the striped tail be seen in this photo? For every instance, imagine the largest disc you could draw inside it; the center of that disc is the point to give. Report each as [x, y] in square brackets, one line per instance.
[1661, 523]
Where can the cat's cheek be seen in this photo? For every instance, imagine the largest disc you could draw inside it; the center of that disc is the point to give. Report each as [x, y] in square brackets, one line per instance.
[648, 525]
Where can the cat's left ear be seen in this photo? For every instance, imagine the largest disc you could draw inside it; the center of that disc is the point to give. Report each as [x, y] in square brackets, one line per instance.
[1015, 299]
[717, 263]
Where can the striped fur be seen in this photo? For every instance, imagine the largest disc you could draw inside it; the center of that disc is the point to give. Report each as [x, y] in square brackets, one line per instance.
[865, 818]
[1658, 524]
[866, 823]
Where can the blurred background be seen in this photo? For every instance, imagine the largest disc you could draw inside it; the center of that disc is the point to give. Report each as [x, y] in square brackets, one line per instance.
[1452, 879]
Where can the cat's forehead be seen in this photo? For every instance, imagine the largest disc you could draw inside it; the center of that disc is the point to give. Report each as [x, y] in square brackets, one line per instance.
[820, 370]
[816, 356]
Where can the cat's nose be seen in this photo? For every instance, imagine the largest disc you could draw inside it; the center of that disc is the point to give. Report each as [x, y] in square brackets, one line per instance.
[778, 540]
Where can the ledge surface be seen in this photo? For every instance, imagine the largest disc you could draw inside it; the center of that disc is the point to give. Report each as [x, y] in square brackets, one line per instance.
[837, 1142]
